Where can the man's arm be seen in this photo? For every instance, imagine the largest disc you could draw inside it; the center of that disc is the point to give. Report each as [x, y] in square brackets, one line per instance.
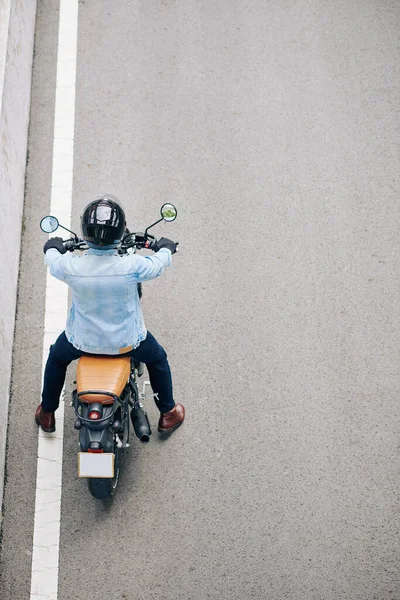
[56, 263]
[150, 267]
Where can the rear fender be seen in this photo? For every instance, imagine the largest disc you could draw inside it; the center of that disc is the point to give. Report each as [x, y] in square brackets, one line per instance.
[96, 432]
[101, 436]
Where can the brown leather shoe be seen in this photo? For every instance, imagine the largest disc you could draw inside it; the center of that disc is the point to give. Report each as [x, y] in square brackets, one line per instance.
[46, 420]
[172, 419]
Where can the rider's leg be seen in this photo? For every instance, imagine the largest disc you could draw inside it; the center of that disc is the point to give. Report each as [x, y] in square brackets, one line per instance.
[154, 356]
[151, 353]
[62, 353]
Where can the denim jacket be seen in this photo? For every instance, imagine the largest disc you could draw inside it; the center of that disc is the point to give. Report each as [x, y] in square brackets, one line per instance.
[106, 316]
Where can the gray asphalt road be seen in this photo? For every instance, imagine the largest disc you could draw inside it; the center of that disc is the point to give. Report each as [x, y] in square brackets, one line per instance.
[274, 127]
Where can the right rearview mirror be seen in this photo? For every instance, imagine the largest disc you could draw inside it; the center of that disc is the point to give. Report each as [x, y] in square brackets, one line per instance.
[49, 224]
[169, 212]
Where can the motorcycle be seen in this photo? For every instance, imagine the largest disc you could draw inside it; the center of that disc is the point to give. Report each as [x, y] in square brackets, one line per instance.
[107, 387]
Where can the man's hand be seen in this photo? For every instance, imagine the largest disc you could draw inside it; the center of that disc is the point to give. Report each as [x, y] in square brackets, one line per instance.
[165, 243]
[56, 243]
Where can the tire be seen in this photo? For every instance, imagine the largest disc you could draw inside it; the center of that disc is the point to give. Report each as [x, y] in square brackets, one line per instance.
[104, 489]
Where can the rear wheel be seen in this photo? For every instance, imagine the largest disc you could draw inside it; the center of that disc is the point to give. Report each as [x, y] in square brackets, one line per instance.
[104, 489]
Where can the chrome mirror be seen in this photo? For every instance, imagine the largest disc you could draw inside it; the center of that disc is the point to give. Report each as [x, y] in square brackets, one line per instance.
[168, 212]
[49, 224]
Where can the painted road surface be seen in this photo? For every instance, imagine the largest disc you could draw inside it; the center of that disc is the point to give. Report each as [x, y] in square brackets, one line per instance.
[273, 126]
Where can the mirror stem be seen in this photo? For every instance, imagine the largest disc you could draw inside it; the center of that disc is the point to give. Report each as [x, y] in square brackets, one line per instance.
[69, 231]
[149, 227]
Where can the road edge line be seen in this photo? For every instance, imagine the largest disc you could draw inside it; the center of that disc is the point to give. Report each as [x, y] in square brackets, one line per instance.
[46, 533]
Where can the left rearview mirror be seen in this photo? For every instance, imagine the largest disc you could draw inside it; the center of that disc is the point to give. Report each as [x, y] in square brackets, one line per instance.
[49, 224]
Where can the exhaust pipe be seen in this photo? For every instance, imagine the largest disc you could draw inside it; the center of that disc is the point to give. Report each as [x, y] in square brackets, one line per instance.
[141, 424]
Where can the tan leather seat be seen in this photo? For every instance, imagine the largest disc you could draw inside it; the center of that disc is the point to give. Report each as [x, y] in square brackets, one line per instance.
[103, 374]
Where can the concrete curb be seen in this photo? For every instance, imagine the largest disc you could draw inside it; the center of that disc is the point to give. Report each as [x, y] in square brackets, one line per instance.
[17, 28]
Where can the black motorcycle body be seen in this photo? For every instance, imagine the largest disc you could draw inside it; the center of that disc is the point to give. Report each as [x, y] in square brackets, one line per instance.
[104, 427]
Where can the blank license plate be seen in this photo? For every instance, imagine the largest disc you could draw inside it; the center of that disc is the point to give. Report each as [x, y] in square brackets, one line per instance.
[96, 464]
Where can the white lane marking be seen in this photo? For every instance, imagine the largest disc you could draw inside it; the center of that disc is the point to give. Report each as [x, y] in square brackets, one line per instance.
[46, 535]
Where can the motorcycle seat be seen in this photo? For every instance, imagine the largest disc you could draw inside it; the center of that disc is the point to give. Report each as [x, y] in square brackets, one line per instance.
[97, 373]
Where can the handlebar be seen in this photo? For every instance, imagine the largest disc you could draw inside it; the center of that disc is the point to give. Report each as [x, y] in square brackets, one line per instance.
[150, 245]
[80, 244]
[131, 240]
[72, 245]
[137, 241]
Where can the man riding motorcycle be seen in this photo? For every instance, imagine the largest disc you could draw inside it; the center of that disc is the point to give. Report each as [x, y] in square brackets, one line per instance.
[106, 316]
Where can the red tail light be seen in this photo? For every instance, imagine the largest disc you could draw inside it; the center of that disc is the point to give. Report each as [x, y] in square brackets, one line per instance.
[95, 450]
[94, 415]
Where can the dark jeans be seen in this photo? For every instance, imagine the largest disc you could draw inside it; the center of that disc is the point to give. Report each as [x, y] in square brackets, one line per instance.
[62, 353]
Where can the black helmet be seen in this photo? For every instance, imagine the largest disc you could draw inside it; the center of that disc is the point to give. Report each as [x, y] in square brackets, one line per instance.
[103, 221]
